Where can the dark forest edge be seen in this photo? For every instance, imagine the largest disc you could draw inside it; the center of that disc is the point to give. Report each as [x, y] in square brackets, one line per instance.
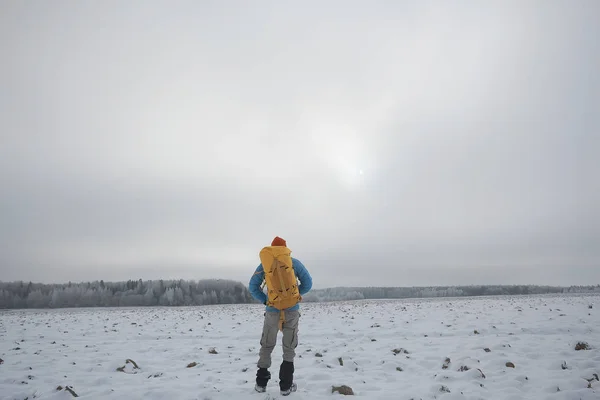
[139, 293]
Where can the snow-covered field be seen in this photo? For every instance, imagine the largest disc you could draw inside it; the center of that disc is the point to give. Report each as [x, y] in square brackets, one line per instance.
[381, 349]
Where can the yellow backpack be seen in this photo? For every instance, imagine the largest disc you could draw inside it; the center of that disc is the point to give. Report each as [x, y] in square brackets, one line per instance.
[281, 281]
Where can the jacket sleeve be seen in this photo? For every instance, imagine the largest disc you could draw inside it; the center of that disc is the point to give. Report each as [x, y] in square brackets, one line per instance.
[255, 282]
[303, 276]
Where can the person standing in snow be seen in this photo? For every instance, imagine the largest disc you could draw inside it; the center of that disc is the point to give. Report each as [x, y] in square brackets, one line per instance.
[280, 272]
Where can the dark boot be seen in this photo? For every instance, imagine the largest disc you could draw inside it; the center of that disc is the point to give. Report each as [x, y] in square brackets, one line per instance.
[262, 378]
[286, 376]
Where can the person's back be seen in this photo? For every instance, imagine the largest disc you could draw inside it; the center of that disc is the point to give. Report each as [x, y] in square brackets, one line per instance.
[282, 310]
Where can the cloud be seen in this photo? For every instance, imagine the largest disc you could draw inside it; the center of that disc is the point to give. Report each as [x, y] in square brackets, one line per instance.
[429, 142]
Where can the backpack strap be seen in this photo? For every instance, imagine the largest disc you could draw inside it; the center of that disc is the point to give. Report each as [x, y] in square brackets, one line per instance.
[264, 282]
[276, 270]
[281, 320]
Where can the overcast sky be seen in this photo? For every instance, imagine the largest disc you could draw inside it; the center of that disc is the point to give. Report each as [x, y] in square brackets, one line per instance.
[390, 143]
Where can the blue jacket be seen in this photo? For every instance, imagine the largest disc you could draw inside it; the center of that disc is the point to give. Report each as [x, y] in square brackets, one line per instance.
[301, 273]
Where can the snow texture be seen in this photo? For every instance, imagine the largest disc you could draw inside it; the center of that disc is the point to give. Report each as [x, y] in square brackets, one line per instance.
[453, 348]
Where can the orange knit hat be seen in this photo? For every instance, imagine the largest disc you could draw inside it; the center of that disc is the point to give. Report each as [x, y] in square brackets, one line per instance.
[278, 242]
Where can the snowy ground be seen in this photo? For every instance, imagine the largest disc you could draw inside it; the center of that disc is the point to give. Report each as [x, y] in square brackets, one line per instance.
[82, 349]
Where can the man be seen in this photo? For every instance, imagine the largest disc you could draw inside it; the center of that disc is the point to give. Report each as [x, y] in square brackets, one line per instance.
[281, 273]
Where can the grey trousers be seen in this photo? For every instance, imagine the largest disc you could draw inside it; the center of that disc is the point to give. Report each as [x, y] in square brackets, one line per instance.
[268, 340]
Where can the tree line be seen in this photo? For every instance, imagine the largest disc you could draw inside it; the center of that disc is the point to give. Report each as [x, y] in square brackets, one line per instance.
[361, 293]
[118, 294]
[136, 293]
